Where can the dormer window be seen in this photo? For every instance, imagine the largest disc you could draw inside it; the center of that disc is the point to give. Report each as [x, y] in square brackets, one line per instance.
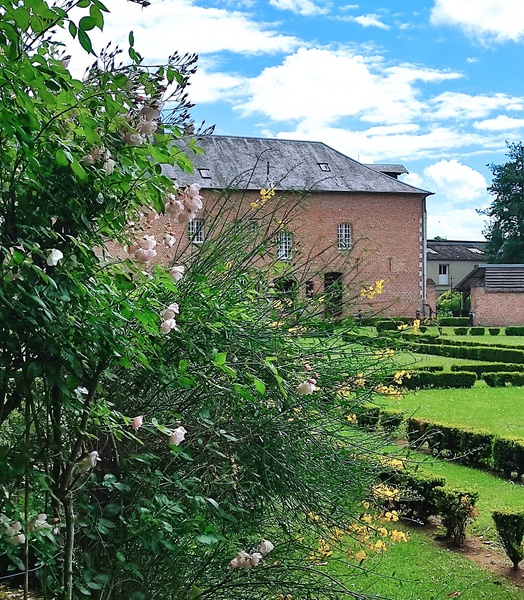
[205, 173]
[324, 167]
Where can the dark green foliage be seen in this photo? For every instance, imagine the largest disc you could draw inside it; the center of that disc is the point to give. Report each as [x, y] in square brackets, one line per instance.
[460, 331]
[388, 325]
[508, 456]
[456, 509]
[476, 447]
[418, 499]
[505, 230]
[477, 331]
[391, 419]
[416, 429]
[488, 368]
[427, 379]
[494, 330]
[433, 369]
[510, 529]
[514, 330]
[489, 354]
[502, 379]
[368, 417]
[453, 321]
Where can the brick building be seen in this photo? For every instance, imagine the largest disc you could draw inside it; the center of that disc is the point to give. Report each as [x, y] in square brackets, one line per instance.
[497, 294]
[355, 224]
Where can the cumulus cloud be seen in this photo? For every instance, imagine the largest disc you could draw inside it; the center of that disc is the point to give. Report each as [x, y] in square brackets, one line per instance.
[371, 21]
[300, 7]
[320, 85]
[500, 123]
[457, 105]
[486, 20]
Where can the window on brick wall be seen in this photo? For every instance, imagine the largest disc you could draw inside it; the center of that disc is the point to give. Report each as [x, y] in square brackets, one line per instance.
[443, 274]
[344, 236]
[284, 241]
[195, 231]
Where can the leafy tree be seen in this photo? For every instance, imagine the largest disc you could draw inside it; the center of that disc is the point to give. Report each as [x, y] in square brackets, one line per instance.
[505, 230]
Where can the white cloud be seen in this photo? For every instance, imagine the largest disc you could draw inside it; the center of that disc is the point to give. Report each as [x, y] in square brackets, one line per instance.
[209, 86]
[456, 182]
[318, 86]
[455, 105]
[486, 20]
[371, 20]
[500, 123]
[300, 7]
[458, 224]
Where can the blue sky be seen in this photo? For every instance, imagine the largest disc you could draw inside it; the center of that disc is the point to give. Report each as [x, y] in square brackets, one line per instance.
[434, 84]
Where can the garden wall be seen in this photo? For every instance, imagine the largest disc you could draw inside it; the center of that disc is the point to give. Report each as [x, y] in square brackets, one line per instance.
[497, 309]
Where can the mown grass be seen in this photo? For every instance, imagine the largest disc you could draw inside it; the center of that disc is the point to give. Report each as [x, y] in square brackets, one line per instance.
[498, 410]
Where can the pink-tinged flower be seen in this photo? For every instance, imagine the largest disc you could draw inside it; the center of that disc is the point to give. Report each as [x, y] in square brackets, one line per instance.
[144, 256]
[256, 557]
[185, 217]
[177, 436]
[133, 139]
[100, 153]
[193, 190]
[173, 207]
[109, 166]
[167, 325]
[265, 547]
[148, 242]
[177, 272]
[14, 528]
[54, 257]
[170, 239]
[40, 524]
[136, 423]
[17, 540]
[89, 160]
[149, 113]
[241, 561]
[147, 127]
[89, 462]
[152, 215]
[306, 387]
[170, 311]
[194, 203]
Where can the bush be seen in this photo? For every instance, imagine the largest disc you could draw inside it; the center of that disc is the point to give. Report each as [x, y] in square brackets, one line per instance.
[510, 529]
[388, 325]
[391, 419]
[461, 331]
[430, 369]
[427, 379]
[456, 509]
[503, 378]
[488, 368]
[494, 330]
[514, 330]
[476, 447]
[477, 331]
[416, 432]
[477, 352]
[418, 487]
[368, 417]
[453, 321]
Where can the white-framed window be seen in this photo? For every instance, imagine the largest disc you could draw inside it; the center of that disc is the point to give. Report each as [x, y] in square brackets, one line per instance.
[443, 274]
[284, 241]
[195, 231]
[344, 236]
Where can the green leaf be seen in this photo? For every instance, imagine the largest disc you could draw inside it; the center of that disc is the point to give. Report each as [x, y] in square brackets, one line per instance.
[131, 39]
[220, 359]
[78, 170]
[72, 29]
[61, 158]
[182, 366]
[85, 41]
[260, 386]
[196, 593]
[86, 24]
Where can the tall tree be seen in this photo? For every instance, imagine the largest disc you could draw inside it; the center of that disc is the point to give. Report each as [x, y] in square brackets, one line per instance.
[505, 230]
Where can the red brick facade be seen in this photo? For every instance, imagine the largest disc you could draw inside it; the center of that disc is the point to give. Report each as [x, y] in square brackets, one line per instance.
[497, 309]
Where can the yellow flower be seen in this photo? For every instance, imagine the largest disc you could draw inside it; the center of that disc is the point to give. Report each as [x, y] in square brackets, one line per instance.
[386, 492]
[360, 555]
[416, 325]
[367, 518]
[398, 537]
[351, 418]
[402, 327]
[379, 547]
[382, 531]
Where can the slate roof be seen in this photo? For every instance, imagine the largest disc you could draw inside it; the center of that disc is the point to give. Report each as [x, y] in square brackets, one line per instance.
[253, 163]
[394, 170]
[455, 250]
[496, 278]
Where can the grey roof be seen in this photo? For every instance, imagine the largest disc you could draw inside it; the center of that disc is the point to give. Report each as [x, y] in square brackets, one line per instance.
[455, 250]
[253, 163]
[496, 277]
[389, 169]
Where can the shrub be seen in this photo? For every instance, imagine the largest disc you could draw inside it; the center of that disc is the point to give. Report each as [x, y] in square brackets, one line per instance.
[487, 368]
[461, 331]
[423, 329]
[368, 417]
[477, 331]
[476, 447]
[456, 509]
[514, 330]
[387, 325]
[510, 529]
[391, 419]
[430, 369]
[427, 379]
[418, 499]
[508, 456]
[503, 378]
[453, 321]
[416, 432]
[494, 330]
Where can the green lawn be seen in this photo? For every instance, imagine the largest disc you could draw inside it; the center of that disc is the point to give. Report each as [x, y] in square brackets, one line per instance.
[498, 410]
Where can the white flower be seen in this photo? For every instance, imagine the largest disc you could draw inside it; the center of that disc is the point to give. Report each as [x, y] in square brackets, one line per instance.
[241, 561]
[14, 528]
[177, 436]
[53, 257]
[88, 160]
[193, 203]
[148, 242]
[89, 462]
[144, 256]
[170, 239]
[306, 387]
[265, 547]
[133, 139]
[173, 207]
[193, 190]
[147, 127]
[40, 523]
[109, 166]
[136, 423]
[170, 311]
[101, 153]
[17, 539]
[167, 325]
[177, 272]
[185, 217]
[149, 113]
[256, 557]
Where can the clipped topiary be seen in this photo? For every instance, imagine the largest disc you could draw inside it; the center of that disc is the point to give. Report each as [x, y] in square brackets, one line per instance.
[510, 529]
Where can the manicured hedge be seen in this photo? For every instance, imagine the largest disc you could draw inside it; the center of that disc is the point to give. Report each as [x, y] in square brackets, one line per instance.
[488, 368]
[427, 379]
[477, 331]
[456, 509]
[503, 378]
[494, 330]
[431, 369]
[510, 529]
[514, 330]
[372, 417]
[453, 321]
[460, 331]
[508, 456]
[388, 325]
[472, 353]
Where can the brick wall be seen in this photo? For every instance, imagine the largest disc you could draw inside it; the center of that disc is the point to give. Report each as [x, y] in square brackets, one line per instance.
[386, 231]
[497, 309]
